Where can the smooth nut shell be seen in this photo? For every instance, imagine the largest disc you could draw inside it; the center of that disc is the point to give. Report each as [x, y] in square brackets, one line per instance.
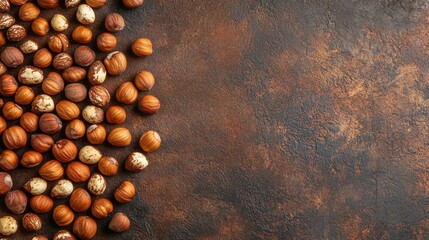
[150, 141]
[42, 58]
[41, 204]
[6, 182]
[41, 142]
[96, 134]
[65, 150]
[75, 129]
[16, 201]
[108, 166]
[127, 93]
[144, 81]
[82, 35]
[142, 47]
[51, 170]
[101, 208]
[119, 137]
[80, 200]
[8, 160]
[63, 215]
[14, 137]
[67, 110]
[74, 74]
[115, 63]
[50, 123]
[24, 95]
[125, 192]
[75, 92]
[114, 22]
[119, 223]
[31, 159]
[85, 227]
[106, 42]
[78, 172]
[31, 222]
[116, 115]
[84, 56]
[12, 57]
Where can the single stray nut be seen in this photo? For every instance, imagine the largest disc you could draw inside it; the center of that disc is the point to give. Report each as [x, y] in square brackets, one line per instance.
[75, 92]
[97, 73]
[96, 134]
[132, 3]
[62, 189]
[99, 96]
[14, 137]
[136, 162]
[31, 159]
[125, 192]
[64, 150]
[74, 74]
[85, 227]
[31, 222]
[6, 21]
[6, 182]
[12, 57]
[51, 170]
[150, 141]
[82, 35]
[36, 186]
[12, 111]
[75, 129]
[116, 115]
[127, 93]
[63, 215]
[85, 14]
[16, 201]
[28, 12]
[42, 58]
[101, 208]
[29, 46]
[96, 184]
[30, 75]
[78, 172]
[29, 122]
[62, 61]
[149, 104]
[8, 225]
[114, 22]
[142, 47]
[67, 110]
[115, 63]
[40, 26]
[58, 43]
[93, 114]
[106, 42]
[59, 23]
[16, 33]
[42, 104]
[119, 223]
[144, 81]
[108, 166]
[8, 160]
[90, 155]
[41, 204]
[41, 142]
[50, 123]
[119, 137]
[80, 200]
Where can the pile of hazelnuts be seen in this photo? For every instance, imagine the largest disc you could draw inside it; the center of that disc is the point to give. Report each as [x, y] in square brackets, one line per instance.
[31, 119]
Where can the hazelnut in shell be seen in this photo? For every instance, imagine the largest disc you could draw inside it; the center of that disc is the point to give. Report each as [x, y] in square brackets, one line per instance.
[62, 61]
[40, 26]
[116, 115]
[72, 3]
[41, 204]
[36, 186]
[82, 35]
[12, 111]
[114, 22]
[80, 200]
[99, 96]
[75, 92]
[6, 20]
[8, 85]
[97, 184]
[136, 162]
[97, 73]
[28, 12]
[64, 150]
[101, 208]
[29, 122]
[90, 154]
[106, 42]
[14, 137]
[29, 46]
[96, 134]
[48, 4]
[67, 110]
[16, 201]
[64, 234]
[85, 227]
[3, 125]
[85, 14]
[149, 104]
[127, 93]
[108, 166]
[42, 58]
[78, 172]
[75, 129]
[63, 215]
[132, 3]
[62, 189]
[51, 170]
[58, 43]
[30, 75]
[150, 141]
[8, 226]
[144, 81]
[93, 114]
[42, 103]
[31, 159]
[31, 222]
[96, 3]
[53, 85]
[8, 160]
[16, 33]
[12, 57]
[142, 47]
[74, 74]
[125, 192]
[84, 56]
[24, 95]
[115, 63]
[59, 23]
[50, 123]
[119, 137]
[119, 223]
[41, 142]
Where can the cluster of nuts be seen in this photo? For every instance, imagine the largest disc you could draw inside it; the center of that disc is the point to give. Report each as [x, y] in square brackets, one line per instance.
[46, 117]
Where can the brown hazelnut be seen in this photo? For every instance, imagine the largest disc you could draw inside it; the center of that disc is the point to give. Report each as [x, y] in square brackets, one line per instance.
[41, 142]
[14, 137]
[6, 21]
[8, 85]
[18, 2]
[85, 227]
[8, 224]
[125, 192]
[31, 159]
[75, 92]
[116, 115]
[59, 22]
[51, 170]
[136, 162]
[4, 6]
[12, 57]
[142, 47]
[3, 67]
[80, 200]
[58, 43]
[78, 172]
[12, 111]
[50, 123]
[42, 58]
[29, 46]
[8, 160]
[75, 129]
[97, 73]
[47, 3]
[36, 186]
[40, 26]
[99, 96]
[67, 110]
[31, 222]
[30, 75]
[64, 150]
[82, 35]
[144, 81]
[71, 3]
[24, 95]
[62, 61]
[149, 104]
[108, 166]
[16, 33]
[93, 114]
[114, 22]
[132, 3]
[96, 3]
[119, 137]
[2, 39]
[16, 201]
[74, 74]
[90, 154]
[42, 104]
[29, 122]
[115, 63]
[119, 223]
[84, 56]
[97, 184]
[127, 93]
[63, 215]
[106, 42]
[3, 124]
[101, 208]
[150, 141]
[96, 134]
[53, 85]
[62, 189]
[41, 204]
[64, 234]
[6, 182]
[28, 12]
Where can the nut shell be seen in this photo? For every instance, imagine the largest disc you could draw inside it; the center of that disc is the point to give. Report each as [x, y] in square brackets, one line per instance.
[62, 189]
[42, 103]
[42, 58]
[64, 234]
[30, 75]
[59, 23]
[136, 162]
[90, 154]
[6, 21]
[93, 114]
[132, 3]
[58, 43]
[63, 215]
[51, 170]
[48, 4]
[74, 74]
[78, 172]
[8, 85]
[8, 160]
[116, 115]
[108, 166]
[97, 73]
[97, 184]
[12, 57]
[127, 93]
[8, 226]
[84, 56]
[28, 12]
[75, 92]
[41, 204]
[16, 33]
[24, 95]
[29, 122]
[62, 61]
[119, 137]
[106, 42]
[36, 186]
[85, 14]
[101, 208]
[29, 46]
[14, 137]
[80, 200]
[31, 222]
[85, 227]
[96, 134]
[96, 3]
[6, 182]
[64, 150]
[114, 22]
[31, 159]
[150, 141]
[67, 110]
[82, 35]
[99, 96]
[12, 111]
[40, 26]
[119, 223]
[53, 85]
[41, 142]
[142, 47]
[144, 81]
[16, 201]
[125, 192]
[75, 129]
[149, 104]
[50, 123]
[115, 63]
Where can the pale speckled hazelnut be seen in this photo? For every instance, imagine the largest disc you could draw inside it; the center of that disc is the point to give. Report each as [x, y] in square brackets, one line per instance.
[30, 75]
[93, 114]
[8, 225]
[90, 155]
[136, 162]
[85, 14]
[6, 21]
[97, 184]
[59, 23]
[29, 46]
[16, 33]
[42, 104]
[62, 189]
[97, 73]
[36, 186]
[72, 3]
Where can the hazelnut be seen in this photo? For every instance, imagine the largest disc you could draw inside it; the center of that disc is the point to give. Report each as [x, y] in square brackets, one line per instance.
[40, 26]
[85, 227]
[3, 125]
[16, 201]
[116, 115]
[142, 47]
[12, 111]
[63, 215]
[64, 234]
[75, 129]
[42, 58]
[16, 33]
[149, 104]
[6, 21]
[14, 137]
[41, 142]
[80, 200]
[30, 75]
[78, 172]
[85, 14]
[127, 93]
[62, 189]
[101, 208]
[144, 81]
[82, 35]
[8, 226]
[90, 155]
[59, 22]
[136, 162]
[64, 150]
[125, 192]
[114, 22]
[115, 63]
[71, 3]
[36, 186]
[41, 204]
[62, 61]
[2, 39]
[31, 222]
[50, 123]
[97, 73]
[74, 74]
[3, 67]
[96, 3]
[108, 166]
[96, 184]
[24, 95]
[47, 3]
[4, 6]
[8, 160]
[84, 56]
[12, 57]
[18, 2]
[106, 42]
[132, 3]
[8, 85]
[42, 104]
[67, 110]
[58, 43]
[93, 114]
[96, 134]
[99, 96]
[6, 182]
[28, 12]
[29, 122]
[29, 46]
[51, 170]
[53, 85]
[119, 137]
[119, 223]
[150, 141]
[31, 159]
[75, 92]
